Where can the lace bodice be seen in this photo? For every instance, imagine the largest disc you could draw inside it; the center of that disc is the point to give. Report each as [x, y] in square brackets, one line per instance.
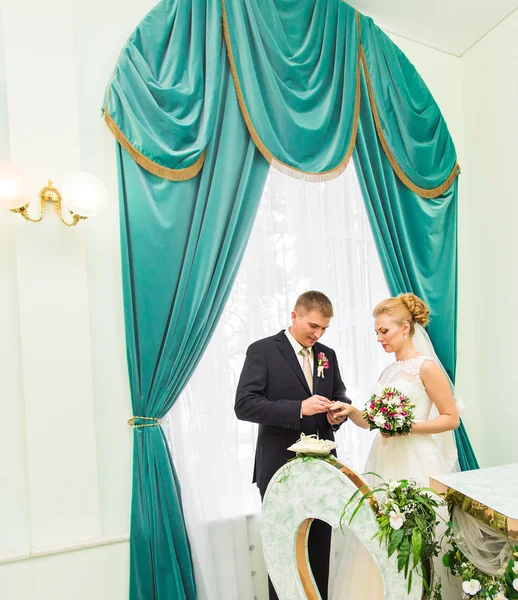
[404, 375]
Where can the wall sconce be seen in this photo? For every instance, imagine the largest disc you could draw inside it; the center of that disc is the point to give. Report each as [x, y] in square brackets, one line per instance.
[84, 195]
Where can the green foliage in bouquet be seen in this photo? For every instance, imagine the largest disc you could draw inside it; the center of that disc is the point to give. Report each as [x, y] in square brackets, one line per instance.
[407, 517]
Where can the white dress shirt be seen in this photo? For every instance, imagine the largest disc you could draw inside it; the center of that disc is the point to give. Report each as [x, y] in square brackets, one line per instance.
[297, 348]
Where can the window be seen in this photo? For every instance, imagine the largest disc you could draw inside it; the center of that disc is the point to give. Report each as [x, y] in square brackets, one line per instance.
[305, 236]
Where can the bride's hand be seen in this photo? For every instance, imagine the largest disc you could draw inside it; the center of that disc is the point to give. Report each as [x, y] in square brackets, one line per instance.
[338, 412]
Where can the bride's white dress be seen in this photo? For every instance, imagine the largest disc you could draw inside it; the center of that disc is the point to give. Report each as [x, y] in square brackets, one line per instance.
[408, 457]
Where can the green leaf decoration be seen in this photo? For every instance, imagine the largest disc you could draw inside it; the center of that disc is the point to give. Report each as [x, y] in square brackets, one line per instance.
[417, 545]
[403, 556]
[395, 540]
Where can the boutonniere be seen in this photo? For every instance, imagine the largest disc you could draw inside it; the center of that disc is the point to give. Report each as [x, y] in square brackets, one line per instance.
[322, 364]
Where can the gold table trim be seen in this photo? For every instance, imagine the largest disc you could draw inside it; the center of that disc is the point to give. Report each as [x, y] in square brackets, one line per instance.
[474, 508]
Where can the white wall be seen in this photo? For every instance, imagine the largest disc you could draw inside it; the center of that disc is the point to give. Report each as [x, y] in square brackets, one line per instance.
[99, 572]
[66, 452]
[490, 98]
[65, 448]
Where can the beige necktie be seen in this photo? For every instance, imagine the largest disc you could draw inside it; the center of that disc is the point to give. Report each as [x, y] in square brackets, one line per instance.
[306, 367]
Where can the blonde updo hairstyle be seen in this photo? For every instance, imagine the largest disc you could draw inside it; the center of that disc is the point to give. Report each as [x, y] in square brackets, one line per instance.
[405, 307]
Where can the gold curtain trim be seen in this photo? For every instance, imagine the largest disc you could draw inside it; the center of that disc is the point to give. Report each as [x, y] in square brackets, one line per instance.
[277, 164]
[131, 422]
[423, 192]
[147, 163]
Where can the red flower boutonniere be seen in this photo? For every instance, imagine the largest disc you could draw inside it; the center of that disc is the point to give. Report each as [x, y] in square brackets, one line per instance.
[322, 364]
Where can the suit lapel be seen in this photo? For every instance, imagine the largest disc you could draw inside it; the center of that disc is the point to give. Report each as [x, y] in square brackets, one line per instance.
[287, 351]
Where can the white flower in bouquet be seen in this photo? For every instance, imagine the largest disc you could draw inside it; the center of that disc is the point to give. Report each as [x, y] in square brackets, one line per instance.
[380, 420]
[500, 596]
[396, 518]
[471, 587]
[515, 569]
[393, 485]
[394, 401]
[515, 584]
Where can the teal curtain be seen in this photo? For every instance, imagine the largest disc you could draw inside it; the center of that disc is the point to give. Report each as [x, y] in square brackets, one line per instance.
[296, 67]
[412, 124]
[416, 240]
[289, 92]
[182, 243]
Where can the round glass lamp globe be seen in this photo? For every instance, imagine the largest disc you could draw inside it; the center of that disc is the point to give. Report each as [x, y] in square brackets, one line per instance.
[84, 194]
[12, 187]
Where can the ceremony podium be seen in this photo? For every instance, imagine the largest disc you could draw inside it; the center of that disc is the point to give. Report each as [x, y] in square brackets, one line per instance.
[304, 490]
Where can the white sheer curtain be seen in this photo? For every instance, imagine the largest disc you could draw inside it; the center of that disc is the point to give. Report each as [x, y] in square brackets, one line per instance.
[306, 236]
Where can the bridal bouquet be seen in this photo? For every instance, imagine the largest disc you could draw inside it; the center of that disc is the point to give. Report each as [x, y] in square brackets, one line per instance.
[390, 412]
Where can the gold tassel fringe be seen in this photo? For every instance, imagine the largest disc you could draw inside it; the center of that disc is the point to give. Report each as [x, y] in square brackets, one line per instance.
[148, 164]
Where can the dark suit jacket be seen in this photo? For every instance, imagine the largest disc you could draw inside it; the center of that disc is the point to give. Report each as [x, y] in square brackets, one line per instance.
[270, 392]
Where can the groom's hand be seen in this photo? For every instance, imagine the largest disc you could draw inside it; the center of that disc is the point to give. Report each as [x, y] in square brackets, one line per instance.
[314, 405]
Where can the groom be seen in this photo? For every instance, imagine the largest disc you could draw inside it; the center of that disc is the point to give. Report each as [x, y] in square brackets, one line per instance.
[283, 389]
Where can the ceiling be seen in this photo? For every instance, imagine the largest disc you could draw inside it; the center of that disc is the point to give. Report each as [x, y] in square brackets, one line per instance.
[452, 26]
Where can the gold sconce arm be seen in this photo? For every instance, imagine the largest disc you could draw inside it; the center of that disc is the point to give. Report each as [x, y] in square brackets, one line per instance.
[25, 214]
[49, 194]
[75, 218]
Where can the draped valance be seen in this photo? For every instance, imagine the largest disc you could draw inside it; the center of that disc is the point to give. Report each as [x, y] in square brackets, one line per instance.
[161, 102]
[408, 121]
[296, 74]
[296, 69]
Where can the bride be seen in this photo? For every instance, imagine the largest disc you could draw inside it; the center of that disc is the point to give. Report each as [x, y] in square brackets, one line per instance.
[429, 449]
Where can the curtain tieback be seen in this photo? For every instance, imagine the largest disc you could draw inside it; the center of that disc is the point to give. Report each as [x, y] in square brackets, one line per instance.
[133, 422]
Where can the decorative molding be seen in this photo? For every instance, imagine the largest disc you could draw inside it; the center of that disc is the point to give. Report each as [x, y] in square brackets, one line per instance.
[64, 548]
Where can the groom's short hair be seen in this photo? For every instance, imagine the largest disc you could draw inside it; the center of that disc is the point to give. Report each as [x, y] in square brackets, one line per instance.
[314, 300]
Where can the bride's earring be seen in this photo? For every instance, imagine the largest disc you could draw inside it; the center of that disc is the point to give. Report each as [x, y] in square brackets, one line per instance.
[405, 336]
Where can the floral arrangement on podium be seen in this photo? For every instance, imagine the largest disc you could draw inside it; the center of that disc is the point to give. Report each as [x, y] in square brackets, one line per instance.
[475, 583]
[407, 517]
